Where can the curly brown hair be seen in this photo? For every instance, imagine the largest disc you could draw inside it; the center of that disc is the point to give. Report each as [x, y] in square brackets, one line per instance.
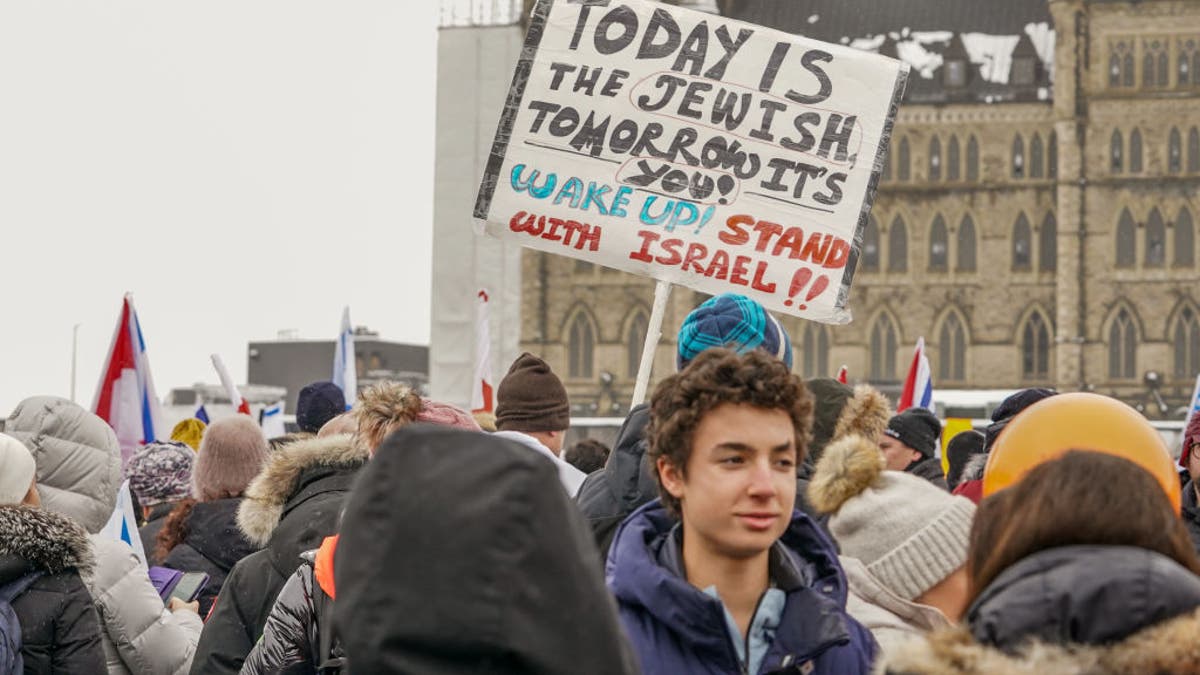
[712, 379]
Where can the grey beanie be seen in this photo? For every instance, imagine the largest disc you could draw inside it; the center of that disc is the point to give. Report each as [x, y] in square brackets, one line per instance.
[909, 533]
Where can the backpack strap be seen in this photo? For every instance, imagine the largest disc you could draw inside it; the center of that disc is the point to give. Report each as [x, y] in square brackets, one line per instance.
[13, 590]
[327, 663]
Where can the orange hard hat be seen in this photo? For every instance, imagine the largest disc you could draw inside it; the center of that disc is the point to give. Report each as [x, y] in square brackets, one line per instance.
[1079, 421]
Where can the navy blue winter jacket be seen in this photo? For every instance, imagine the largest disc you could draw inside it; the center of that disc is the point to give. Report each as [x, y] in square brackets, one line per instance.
[676, 628]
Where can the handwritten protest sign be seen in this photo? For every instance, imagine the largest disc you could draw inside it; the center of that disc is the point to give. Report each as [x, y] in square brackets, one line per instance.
[694, 149]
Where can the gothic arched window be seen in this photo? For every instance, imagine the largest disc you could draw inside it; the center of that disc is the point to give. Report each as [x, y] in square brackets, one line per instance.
[966, 245]
[952, 159]
[1048, 244]
[1122, 348]
[581, 345]
[939, 245]
[1156, 240]
[1035, 348]
[898, 246]
[816, 350]
[935, 159]
[1126, 240]
[1187, 345]
[952, 347]
[635, 339]
[1022, 245]
[973, 160]
[883, 350]
[1185, 239]
[1036, 157]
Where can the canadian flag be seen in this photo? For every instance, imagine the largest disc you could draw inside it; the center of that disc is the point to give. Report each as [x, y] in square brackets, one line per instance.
[482, 399]
[125, 397]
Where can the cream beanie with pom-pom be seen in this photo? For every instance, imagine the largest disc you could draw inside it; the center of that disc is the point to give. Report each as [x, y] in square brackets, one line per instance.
[909, 533]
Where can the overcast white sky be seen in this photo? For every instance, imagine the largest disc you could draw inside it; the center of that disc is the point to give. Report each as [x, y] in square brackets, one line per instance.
[240, 167]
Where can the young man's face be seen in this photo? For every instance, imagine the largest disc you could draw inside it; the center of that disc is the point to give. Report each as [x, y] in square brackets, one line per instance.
[740, 485]
[897, 454]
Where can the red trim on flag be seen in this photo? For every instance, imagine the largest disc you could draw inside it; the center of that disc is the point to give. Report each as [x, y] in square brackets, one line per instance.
[244, 407]
[488, 405]
[121, 357]
[910, 384]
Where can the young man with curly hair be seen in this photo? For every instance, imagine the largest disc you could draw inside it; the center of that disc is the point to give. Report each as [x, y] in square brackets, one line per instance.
[722, 574]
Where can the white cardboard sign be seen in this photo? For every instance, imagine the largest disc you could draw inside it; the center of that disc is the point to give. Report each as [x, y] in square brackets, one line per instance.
[694, 149]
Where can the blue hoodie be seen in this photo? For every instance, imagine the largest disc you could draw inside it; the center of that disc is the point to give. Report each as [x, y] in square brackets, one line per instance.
[678, 628]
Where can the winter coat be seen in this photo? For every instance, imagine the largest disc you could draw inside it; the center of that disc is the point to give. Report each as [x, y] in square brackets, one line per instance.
[288, 509]
[460, 553]
[79, 474]
[291, 638]
[1191, 514]
[1099, 610]
[677, 628]
[149, 531]
[209, 542]
[60, 632]
[930, 469]
[890, 618]
[625, 483]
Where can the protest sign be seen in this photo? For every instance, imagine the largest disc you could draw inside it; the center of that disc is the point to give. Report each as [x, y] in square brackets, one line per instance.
[694, 149]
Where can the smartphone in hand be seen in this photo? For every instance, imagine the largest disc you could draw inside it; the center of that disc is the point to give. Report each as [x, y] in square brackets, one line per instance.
[189, 586]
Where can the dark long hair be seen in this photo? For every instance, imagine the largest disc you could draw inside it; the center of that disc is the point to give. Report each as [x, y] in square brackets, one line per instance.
[1079, 499]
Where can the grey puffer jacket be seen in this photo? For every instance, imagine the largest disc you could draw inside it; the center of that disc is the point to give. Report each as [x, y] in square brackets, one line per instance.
[79, 474]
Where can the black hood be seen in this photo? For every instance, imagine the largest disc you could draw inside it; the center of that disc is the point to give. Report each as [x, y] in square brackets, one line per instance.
[461, 553]
[213, 532]
[1087, 595]
[628, 473]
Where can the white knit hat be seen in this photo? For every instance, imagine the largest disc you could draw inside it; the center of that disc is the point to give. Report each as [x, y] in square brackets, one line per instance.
[909, 533]
[17, 469]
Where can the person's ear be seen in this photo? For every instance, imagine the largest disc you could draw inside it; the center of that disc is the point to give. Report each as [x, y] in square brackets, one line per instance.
[671, 477]
[916, 456]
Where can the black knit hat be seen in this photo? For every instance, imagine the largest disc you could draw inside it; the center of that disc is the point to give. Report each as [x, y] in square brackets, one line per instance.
[531, 398]
[917, 428]
[318, 403]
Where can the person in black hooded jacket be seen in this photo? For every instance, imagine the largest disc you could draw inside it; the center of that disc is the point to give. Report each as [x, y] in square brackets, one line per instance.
[289, 508]
[45, 553]
[460, 553]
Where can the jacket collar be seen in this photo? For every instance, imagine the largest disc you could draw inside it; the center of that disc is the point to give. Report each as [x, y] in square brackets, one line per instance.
[289, 478]
[644, 571]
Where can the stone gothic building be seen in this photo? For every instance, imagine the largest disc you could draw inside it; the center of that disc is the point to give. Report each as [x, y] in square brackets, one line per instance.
[1036, 221]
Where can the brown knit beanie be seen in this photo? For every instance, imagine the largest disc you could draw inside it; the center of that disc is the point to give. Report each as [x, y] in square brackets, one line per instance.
[531, 398]
[231, 455]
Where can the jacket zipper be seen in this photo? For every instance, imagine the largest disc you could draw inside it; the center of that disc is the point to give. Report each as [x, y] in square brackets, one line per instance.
[745, 664]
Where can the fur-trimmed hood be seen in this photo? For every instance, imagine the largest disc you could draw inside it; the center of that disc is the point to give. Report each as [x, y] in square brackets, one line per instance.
[840, 411]
[283, 475]
[1169, 647]
[46, 541]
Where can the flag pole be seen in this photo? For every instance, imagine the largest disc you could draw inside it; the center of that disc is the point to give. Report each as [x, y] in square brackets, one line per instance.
[662, 290]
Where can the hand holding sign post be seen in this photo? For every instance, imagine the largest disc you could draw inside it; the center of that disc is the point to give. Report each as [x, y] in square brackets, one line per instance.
[693, 149]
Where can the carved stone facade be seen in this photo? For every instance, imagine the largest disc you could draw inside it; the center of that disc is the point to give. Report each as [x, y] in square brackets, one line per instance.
[1047, 239]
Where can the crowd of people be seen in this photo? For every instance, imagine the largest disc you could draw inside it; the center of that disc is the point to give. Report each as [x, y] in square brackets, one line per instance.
[745, 521]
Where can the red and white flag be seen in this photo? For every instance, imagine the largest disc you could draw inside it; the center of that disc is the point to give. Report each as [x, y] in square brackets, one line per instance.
[918, 386]
[235, 397]
[125, 397]
[482, 399]
[843, 375]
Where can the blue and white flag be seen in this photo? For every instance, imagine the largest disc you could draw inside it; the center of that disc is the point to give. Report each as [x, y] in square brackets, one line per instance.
[122, 524]
[345, 374]
[271, 420]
